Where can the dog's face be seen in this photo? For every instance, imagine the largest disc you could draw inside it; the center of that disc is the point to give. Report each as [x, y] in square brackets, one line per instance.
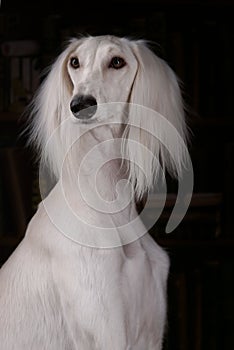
[101, 70]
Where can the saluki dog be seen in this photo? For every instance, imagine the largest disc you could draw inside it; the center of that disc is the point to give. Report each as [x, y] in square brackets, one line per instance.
[87, 275]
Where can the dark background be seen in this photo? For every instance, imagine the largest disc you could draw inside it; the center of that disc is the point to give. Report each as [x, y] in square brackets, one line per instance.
[196, 39]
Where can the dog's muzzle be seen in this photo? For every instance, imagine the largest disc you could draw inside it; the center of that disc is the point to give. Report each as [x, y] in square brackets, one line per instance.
[83, 106]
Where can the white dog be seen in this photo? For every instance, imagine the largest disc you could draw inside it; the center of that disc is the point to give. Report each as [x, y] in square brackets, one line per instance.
[87, 275]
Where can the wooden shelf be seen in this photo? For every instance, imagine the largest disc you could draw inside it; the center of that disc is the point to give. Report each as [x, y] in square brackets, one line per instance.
[9, 241]
[187, 250]
[198, 200]
[9, 117]
[196, 243]
[214, 122]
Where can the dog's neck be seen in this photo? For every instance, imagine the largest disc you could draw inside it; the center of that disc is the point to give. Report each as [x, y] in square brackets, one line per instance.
[95, 206]
[98, 173]
[95, 200]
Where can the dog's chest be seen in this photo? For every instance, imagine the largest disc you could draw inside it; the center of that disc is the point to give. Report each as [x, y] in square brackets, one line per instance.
[107, 290]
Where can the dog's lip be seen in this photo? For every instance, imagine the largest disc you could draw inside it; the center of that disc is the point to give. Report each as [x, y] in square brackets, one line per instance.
[84, 121]
[89, 121]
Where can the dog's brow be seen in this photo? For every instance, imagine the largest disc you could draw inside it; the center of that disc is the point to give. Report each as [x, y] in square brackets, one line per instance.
[114, 49]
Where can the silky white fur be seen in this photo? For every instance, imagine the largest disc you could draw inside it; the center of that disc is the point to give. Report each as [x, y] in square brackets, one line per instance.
[55, 293]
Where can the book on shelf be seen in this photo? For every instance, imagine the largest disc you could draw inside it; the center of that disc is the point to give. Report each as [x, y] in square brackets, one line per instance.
[20, 64]
[211, 305]
[177, 328]
[200, 304]
[195, 302]
[225, 304]
[16, 191]
[229, 190]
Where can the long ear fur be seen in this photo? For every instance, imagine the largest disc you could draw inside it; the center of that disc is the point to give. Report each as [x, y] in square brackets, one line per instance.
[157, 136]
[49, 109]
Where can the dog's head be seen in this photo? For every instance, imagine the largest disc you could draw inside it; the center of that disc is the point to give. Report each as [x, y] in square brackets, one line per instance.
[94, 71]
[101, 70]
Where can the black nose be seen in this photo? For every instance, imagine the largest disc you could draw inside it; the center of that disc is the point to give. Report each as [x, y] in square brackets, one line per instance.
[83, 106]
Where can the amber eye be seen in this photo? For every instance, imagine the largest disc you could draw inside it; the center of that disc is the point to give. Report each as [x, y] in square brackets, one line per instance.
[117, 63]
[74, 62]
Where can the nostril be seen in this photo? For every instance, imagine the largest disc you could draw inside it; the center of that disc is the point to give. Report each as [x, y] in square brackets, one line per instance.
[89, 101]
[74, 106]
[83, 106]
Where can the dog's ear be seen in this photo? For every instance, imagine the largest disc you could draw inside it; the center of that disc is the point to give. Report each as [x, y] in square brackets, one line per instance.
[156, 134]
[50, 105]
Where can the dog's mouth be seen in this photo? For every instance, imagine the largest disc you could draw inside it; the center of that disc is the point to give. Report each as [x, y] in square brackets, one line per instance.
[85, 121]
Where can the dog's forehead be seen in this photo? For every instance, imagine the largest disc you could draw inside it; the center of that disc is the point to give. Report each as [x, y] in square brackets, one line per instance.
[101, 46]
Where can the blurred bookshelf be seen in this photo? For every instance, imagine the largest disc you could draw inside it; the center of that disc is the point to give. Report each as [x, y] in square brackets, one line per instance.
[196, 39]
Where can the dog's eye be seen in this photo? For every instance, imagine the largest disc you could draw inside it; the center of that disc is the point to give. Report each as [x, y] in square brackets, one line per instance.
[117, 63]
[74, 62]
